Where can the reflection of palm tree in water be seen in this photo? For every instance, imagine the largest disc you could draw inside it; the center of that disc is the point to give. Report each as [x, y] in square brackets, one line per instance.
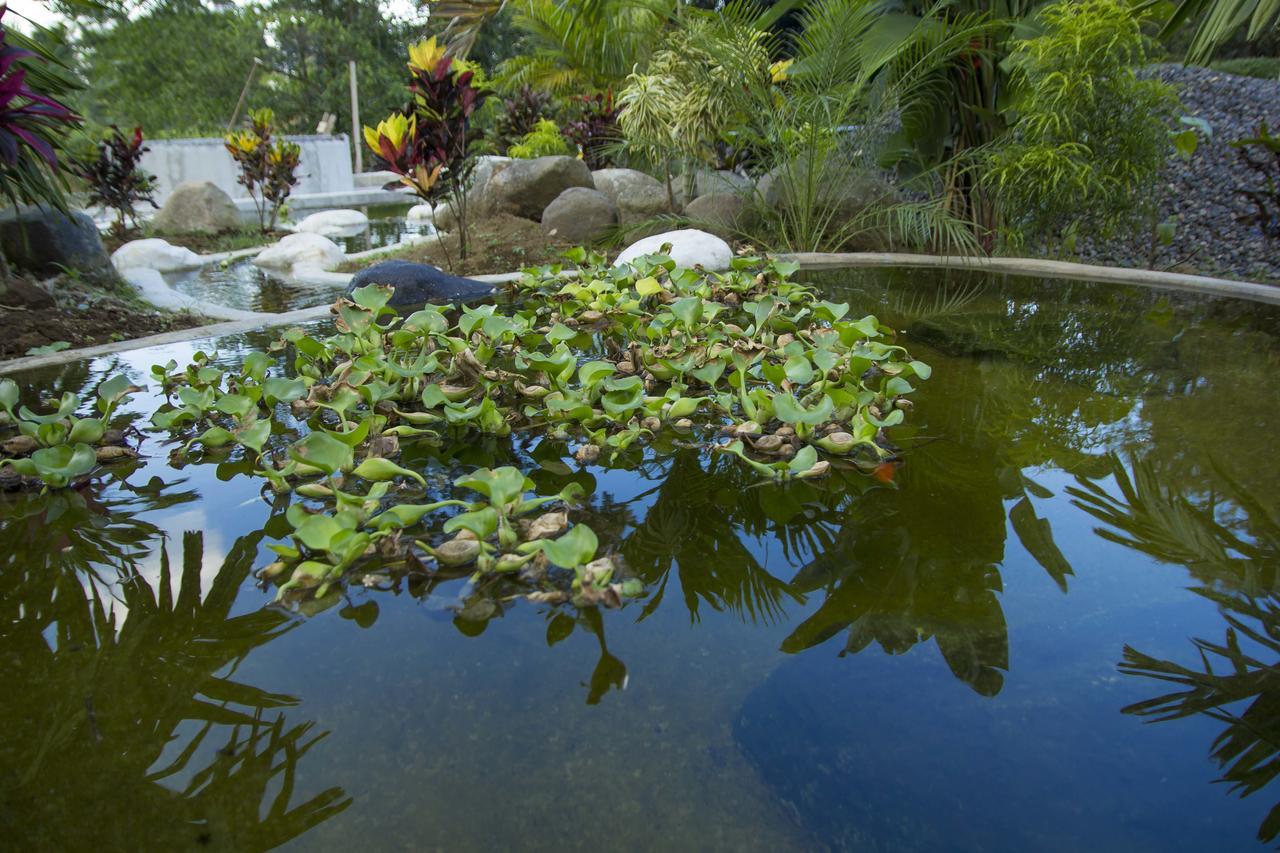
[1231, 543]
[125, 726]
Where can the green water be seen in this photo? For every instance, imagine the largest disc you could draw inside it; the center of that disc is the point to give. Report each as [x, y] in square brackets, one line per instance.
[923, 661]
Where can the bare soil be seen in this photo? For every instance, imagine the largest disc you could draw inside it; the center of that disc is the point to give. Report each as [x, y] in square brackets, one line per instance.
[78, 312]
[498, 244]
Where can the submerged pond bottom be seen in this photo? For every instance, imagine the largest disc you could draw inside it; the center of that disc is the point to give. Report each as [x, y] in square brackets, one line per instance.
[959, 656]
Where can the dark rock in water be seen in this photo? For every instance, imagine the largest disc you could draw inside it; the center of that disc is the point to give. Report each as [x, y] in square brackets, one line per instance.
[44, 241]
[418, 283]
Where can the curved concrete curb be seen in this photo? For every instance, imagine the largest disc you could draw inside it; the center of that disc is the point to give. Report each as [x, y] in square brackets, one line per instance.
[1265, 293]
[1036, 268]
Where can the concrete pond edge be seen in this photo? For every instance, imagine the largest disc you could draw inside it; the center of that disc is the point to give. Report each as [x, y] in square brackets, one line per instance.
[1204, 285]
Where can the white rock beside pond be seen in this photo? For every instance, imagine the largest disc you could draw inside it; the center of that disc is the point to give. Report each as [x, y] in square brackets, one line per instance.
[155, 254]
[689, 248]
[334, 223]
[420, 213]
[301, 250]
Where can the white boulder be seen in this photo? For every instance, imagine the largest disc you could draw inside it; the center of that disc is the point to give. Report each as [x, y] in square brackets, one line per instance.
[155, 254]
[334, 223]
[420, 213]
[301, 250]
[689, 248]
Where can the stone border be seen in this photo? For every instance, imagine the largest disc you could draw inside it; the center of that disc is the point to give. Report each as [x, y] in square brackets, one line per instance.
[1265, 293]
[1036, 268]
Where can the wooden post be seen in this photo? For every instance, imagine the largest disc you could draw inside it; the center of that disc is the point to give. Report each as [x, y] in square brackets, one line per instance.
[248, 81]
[355, 120]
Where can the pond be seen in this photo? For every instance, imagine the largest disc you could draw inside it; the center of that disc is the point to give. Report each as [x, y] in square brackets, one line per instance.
[243, 285]
[925, 659]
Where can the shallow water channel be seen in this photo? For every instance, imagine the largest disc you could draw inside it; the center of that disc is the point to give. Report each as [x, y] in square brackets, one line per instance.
[924, 661]
[243, 285]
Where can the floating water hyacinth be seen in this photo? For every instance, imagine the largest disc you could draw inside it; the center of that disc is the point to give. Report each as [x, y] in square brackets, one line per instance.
[746, 363]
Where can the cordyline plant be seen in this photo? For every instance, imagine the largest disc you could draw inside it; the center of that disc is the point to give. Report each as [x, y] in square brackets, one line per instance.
[267, 166]
[34, 122]
[593, 128]
[430, 143]
[115, 179]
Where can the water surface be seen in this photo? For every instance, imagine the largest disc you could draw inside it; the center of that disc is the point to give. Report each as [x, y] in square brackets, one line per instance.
[928, 660]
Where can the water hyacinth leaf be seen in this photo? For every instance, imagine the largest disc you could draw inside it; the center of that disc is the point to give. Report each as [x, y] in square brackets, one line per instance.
[255, 435]
[318, 531]
[921, 369]
[378, 469]
[798, 370]
[353, 438]
[255, 365]
[897, 386]
[372, 296]
[688, 310]
[868, 326]
[803, 460]
[236, 405]
[560, 332]
[825, 360]
[8, 395]
[214, 437]
[501, 485]
[86, 431]
[322, 451]
[407, 515]
[624, 395]
[58, 466]
[113, 390]
[593, 372]
[575, 548]
[648, 286]
[483, 523]
[710, 373]
[788, 409]
[830, 311]
[279, 389]
[66, 406]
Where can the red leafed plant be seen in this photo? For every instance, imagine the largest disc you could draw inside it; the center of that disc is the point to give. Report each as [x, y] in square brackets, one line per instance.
[115, 179]
[594, 128]
[34, 122]
[430, 143]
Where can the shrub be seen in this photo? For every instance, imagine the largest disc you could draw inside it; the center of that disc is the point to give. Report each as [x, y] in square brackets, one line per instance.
[115, 179]
[1089, 137]
[267, 167]
[543, 141]
[34, 121]
[1265, 197]
[520, 115]
[593, 127]
[431, 144]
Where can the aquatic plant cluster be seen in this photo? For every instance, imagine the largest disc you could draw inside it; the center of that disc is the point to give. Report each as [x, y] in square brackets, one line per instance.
[744, 362]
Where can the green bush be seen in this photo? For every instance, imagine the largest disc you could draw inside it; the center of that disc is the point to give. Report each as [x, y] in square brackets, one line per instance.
[543, 141]
[1089, 138]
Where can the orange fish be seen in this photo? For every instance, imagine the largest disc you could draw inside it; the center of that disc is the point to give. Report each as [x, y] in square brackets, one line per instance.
[884, 473]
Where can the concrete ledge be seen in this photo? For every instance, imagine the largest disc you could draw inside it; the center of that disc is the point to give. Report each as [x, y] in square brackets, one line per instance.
[1220, 287]
[1036, 268]
[358, 197]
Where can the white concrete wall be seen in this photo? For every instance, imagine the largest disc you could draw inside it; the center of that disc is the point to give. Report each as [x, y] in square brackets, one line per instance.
[325, 165]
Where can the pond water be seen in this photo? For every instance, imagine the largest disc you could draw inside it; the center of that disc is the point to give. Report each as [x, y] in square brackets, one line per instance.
[243, 285]
[924, 661]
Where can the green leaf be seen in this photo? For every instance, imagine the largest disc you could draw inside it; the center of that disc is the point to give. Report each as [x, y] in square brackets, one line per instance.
[798, 370]
[321, 450]
[593, 372]
[687, 310]
[8, 394]
[279, 389]
[501, 485]
[317, 532]
[482, 522]
[572, 549]
[648, 286]
[378, 469]
[372, 296]
[255, 435]
[788, 409]
[921, 369]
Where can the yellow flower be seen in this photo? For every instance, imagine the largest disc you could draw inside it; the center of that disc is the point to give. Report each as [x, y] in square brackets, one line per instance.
[425, 54]
[778, 70]
[243, 141]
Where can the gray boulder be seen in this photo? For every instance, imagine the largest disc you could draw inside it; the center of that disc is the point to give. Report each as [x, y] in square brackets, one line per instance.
[579, 215]
[847, 189]
[706, 181]
[196, 207]
[44, 241]
[723, 214]
[525, 187]
[416, 284]
[638, 196]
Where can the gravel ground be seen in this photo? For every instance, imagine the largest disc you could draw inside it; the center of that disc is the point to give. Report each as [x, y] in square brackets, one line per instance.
[1199, 193]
